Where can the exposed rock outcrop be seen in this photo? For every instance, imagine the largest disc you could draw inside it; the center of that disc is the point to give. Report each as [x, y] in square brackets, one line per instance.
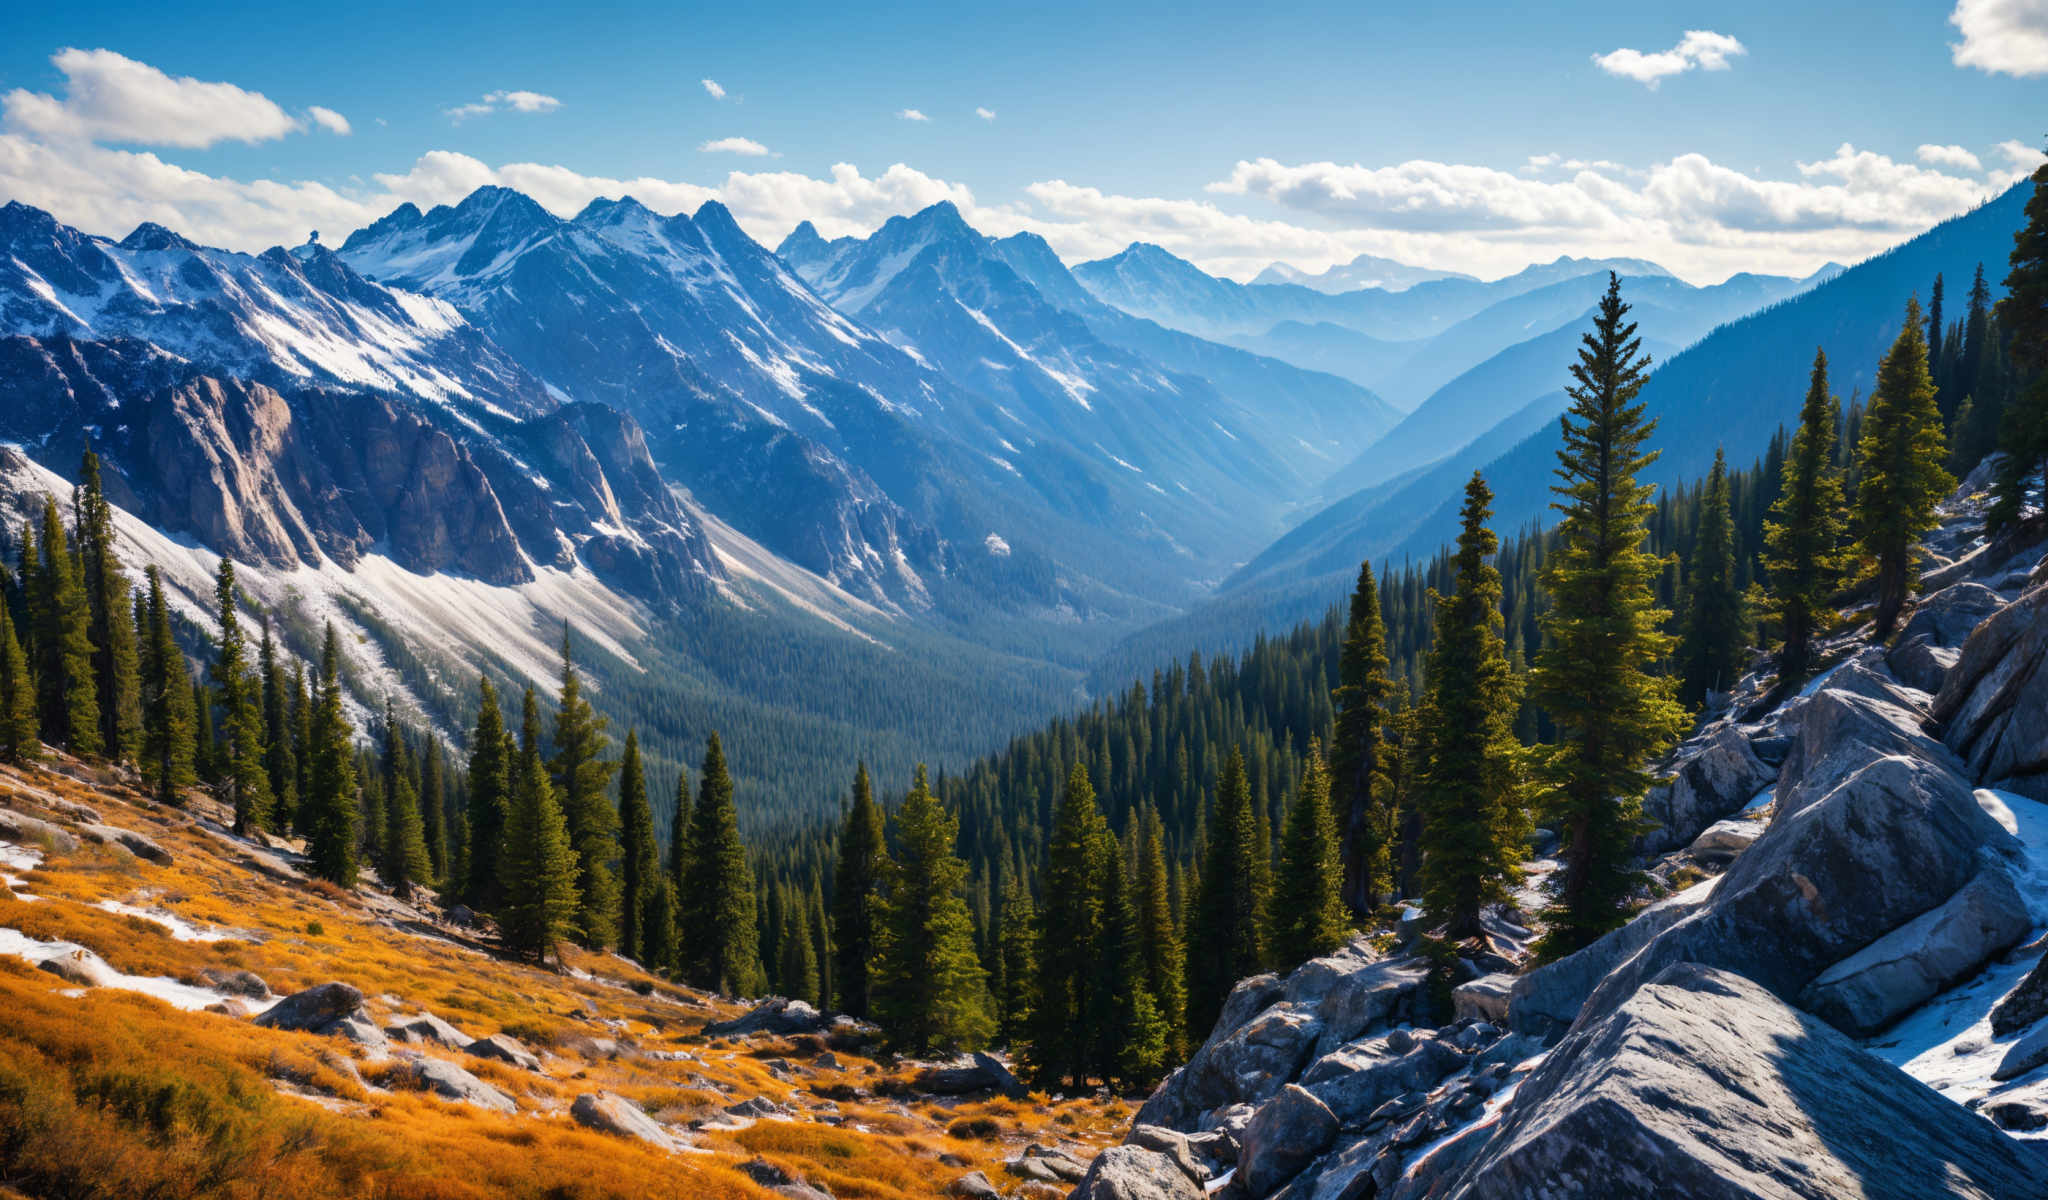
[1713, 776]
[608, 1113]
[1993, 709]
[1704, 1084]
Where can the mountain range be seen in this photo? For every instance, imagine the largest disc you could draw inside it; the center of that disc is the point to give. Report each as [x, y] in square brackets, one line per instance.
[926, 443]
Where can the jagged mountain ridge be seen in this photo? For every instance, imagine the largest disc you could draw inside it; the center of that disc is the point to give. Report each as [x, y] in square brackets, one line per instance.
[1210, 431]
[1365, 271]
[280, 317]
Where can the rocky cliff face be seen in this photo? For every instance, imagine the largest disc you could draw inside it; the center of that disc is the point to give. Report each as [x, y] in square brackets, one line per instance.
[307, 474]
[1836, 1008]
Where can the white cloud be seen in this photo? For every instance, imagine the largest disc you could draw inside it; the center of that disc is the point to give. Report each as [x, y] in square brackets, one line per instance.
[1949, 156]
[2001, 37]
[326, 118]
[711, 86]
[986, 114]
[1699, 48]
[2024, 158]
[111, 98]
[502, 101]
[911, 114]
[736, 145]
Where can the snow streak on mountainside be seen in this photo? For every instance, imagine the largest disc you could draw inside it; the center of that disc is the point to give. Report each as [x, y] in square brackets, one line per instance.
[280, 316]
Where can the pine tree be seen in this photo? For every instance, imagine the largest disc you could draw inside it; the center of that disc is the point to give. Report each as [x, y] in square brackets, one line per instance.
[2023, 319]
[18, 741]
[279, 764]
[328, 812]
[798, 954]
[930, 991]
[406, 861]
[1017, 952]
[1161, 955]
[1803, 540]
[1604, 636]
[719, 934]
[243, 773]
[537, 865]
[863, 862]
[434, 816]
[108, 625]
[679, 860]
[302, 740]
[1225, 942]
[1716, 615]
[490, 785]
[1130, 1033]
[1473, 822]
[658, 946]
[639, 857]
[166, 701]
[1360, 791]
[583, 778]
[1309, 917]
[67, 699]
[1902, 477]
[205, 741]
[1070, 935]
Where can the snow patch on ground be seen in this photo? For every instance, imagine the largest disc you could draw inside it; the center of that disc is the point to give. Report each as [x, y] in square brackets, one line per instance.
[15, 858]
[178, 995]
[1947, 1043]
[180, 929]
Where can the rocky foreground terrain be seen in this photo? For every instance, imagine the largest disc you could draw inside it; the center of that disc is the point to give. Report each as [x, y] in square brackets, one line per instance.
[183, 1013]
[1841, 991]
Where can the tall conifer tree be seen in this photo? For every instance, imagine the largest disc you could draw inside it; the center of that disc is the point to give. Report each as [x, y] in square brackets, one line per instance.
[18, 741]
[1161, 955]
[1716, 614]
[1225, 941]
[863, 861]
[719, 931]
[1595, 675]
[405, 860]
[930, 991]
[166, 701]
[109, 626]
[243, 774]
[1471, 787]
[639, 857]
[1900, 461]
[1360, 788]
[491, 756]
[537, 865]
[1803, 539]
[67, 699]
[583, 778]
[1309, 917]
[329, 809]
[1071, 932]
[1017, 953]
[279, 761]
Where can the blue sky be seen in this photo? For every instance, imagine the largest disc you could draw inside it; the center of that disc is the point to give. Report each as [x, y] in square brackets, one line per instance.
[1479, 137]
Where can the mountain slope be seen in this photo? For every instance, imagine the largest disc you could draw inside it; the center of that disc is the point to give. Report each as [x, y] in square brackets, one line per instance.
[1733, 389]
